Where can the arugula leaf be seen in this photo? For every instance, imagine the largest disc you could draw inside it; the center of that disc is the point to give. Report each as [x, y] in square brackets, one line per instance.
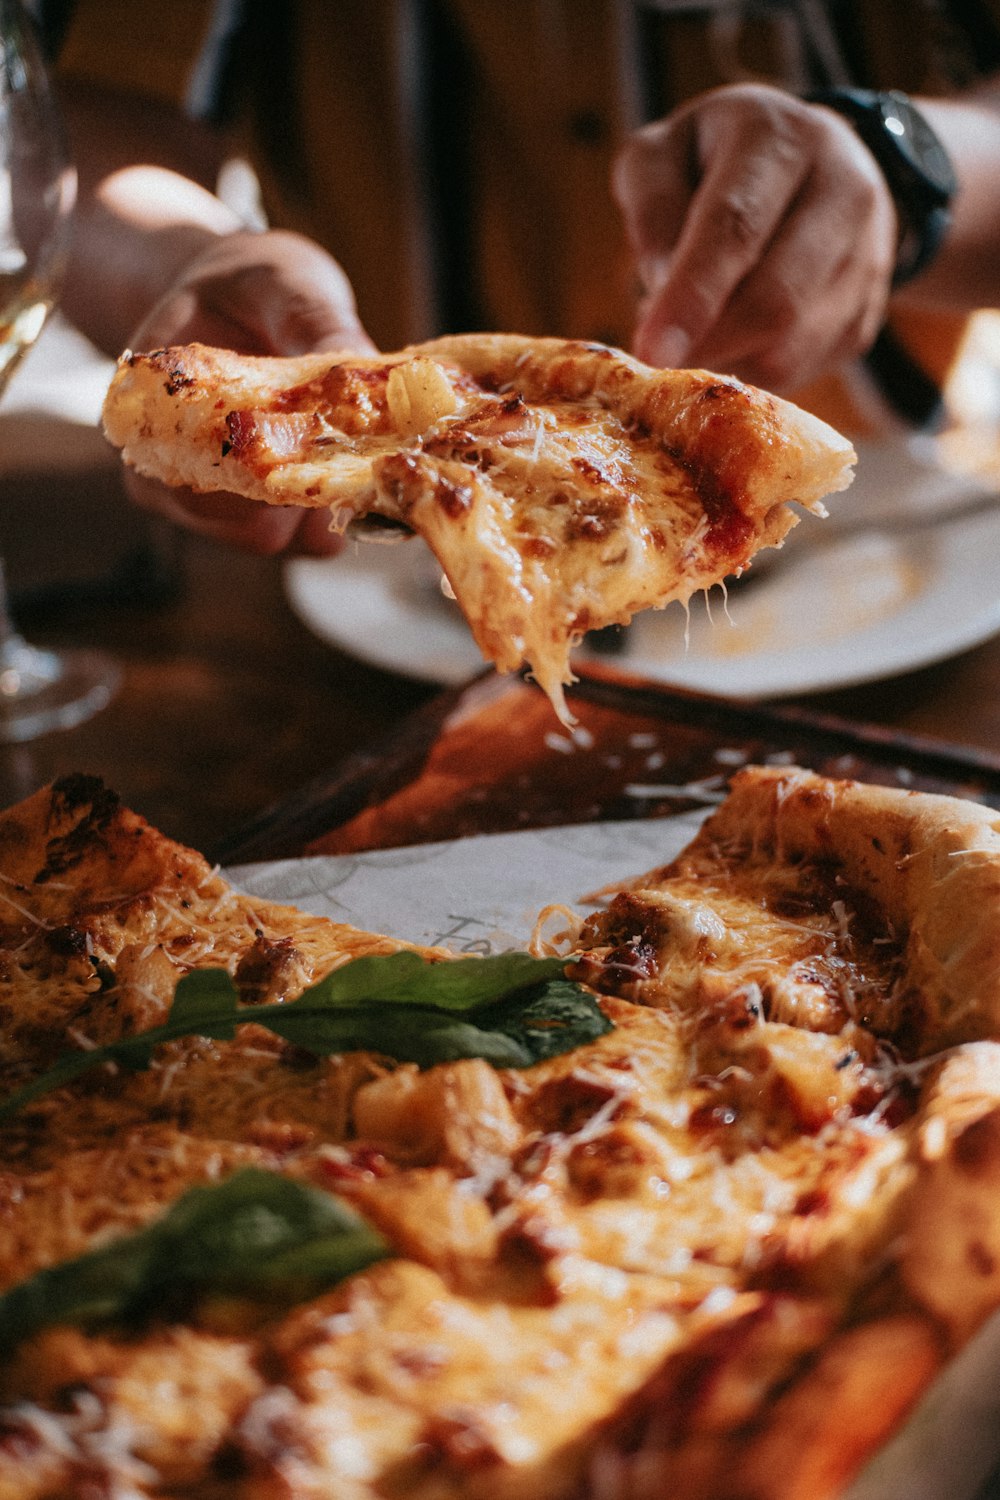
[255, 1233]
[510, 1009]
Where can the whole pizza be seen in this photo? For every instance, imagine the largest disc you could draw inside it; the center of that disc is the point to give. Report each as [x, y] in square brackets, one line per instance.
[695, 1198]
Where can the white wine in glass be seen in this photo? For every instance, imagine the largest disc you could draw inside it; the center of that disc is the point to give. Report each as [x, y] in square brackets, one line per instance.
[39, 690]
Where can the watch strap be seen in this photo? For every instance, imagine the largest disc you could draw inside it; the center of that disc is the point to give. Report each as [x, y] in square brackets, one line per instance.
[922, 200]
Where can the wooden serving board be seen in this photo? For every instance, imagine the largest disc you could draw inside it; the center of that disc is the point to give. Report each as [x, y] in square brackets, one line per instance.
[491, 758]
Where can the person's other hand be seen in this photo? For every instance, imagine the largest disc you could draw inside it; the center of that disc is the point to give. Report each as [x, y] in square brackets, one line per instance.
[270, 293]
[764, 236]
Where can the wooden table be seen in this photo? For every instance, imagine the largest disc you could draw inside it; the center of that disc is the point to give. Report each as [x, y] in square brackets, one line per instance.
[229, 705]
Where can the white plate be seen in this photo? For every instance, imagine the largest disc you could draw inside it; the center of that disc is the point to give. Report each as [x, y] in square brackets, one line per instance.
[824, 614]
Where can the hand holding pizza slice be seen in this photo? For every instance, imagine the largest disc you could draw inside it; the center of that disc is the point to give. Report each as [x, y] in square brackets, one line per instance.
[562, 486]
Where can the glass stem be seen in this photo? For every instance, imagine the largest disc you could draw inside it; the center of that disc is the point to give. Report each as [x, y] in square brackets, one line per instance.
[8, 630]
[24, 669]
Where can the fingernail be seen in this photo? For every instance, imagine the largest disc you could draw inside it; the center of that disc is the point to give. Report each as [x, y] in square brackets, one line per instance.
[653, 271]
[670, 347]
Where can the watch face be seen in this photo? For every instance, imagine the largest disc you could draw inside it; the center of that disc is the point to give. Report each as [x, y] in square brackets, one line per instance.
[917, 142]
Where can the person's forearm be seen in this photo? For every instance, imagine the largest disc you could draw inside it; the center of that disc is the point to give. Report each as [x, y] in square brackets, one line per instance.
[966, 272]
[145, 206]
[132, 239]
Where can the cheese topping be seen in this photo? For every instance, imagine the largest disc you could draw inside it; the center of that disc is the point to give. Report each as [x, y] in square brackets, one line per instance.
[637, 1247]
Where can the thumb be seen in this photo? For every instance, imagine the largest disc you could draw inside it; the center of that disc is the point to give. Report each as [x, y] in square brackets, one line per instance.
[348, 337]
[260, 293]
[302, 299]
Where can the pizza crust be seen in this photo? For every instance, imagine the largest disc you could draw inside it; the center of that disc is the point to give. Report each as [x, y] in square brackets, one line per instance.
[930, 864]
[562, 486]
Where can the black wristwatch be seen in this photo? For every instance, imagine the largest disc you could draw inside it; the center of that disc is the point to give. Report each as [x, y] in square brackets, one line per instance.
[915, 164]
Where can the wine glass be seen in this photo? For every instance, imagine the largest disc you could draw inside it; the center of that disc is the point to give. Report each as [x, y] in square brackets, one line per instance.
[39, 690]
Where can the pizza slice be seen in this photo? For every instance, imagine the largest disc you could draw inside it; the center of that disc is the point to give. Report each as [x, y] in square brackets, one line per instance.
[715, 1245]
[562, 486]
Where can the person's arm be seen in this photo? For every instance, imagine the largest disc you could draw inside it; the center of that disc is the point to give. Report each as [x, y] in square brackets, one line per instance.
[765, 233]
[966, 273]
[134, 232]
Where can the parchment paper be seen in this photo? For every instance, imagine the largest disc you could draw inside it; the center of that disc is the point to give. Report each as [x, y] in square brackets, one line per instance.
[475, 895]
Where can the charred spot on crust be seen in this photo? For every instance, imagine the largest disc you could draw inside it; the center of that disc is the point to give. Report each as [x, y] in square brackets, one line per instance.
[177, 380]
[70, 795]
[798, 903]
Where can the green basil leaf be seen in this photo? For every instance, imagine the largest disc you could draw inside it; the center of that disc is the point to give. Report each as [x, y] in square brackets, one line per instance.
[512, 1032]
[256, 1233]
[547, 1020]
[205, 1000]
[510, 1009]
[450, 984]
